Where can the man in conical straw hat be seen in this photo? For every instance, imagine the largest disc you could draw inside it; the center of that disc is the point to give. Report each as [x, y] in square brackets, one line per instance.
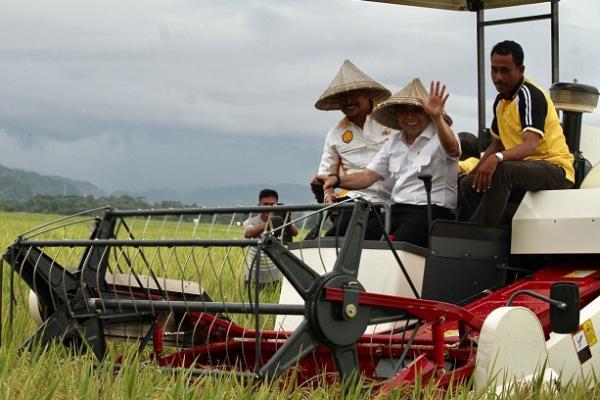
[355, 139]
[426, 144]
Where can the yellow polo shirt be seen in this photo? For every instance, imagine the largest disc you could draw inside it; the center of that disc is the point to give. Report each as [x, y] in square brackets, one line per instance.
[466, 166]
[531, 109]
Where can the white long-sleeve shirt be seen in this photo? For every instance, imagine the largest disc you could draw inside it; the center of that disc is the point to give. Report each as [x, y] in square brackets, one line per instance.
[350, 148]
[403, 163]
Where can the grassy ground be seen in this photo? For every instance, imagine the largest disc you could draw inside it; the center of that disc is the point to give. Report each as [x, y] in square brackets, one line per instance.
[54, 373]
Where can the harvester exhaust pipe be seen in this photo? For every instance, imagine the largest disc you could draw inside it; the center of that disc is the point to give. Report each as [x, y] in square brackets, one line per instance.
[573, 99]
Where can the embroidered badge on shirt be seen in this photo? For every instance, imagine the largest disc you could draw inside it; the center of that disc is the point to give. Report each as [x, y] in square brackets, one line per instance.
[347, 136]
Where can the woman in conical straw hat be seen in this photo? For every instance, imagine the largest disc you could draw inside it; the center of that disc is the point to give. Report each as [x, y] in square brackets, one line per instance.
[355, 139]
[426, 144]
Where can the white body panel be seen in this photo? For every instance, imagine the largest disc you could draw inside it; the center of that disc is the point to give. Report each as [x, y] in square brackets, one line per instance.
[378, 273]
[562, 348]
[511, 346]
[592, 179]
[557, 222]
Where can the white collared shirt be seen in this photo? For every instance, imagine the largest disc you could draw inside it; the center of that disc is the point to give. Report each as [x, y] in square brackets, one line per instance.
[403, 163]
[353, 148]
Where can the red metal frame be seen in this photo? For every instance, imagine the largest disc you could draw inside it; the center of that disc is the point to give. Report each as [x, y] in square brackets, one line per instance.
[446, 335]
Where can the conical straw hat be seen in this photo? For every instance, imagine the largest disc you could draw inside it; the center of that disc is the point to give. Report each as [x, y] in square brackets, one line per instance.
[386, 112]
[347, 79]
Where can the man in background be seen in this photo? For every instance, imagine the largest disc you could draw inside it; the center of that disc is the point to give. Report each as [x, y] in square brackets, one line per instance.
[255, 227]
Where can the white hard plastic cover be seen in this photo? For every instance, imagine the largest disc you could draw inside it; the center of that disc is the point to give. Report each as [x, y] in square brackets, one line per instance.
[378, 273]
[557, 222]
[592, 179]
[563, 354]
[511, 347]
[460, 5]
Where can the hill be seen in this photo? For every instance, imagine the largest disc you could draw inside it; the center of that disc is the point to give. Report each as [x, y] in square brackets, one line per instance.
[247, 194]
[17, 184]
[20, 185]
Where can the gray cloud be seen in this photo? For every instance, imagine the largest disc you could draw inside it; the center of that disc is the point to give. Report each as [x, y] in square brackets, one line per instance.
[168, 94]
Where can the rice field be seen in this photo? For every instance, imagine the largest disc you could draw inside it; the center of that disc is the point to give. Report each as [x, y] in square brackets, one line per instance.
[55, 373]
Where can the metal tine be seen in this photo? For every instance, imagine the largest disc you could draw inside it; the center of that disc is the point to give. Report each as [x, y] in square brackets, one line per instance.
[155, 256]
[132, 272]
[11, 298]
[11, 303]
[318, 239]
[241, 255]
[203, 262]
[212, 224]
[178, 226]
[143, 256]
[231, 221]
[71, 258]
[128, 226]
[162, 226]
[53, 228]
[104, 255]
[237, 289]
[324, 209]
[13, 291]
[196, 222]
[213, 269]
[188, 259]
[26, 233]
[117, 256]
[198, 272]
[145, 229]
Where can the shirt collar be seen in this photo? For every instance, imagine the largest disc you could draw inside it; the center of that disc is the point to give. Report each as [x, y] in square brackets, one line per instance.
[427, 133]
[345, 122]
[513, 94]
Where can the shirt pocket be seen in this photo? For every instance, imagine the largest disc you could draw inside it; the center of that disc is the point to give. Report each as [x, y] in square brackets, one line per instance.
[348, 148]
[423, 160]
[354, 156]
[396, 165]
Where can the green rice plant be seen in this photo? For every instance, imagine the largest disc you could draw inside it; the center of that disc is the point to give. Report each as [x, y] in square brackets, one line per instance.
[54, 372]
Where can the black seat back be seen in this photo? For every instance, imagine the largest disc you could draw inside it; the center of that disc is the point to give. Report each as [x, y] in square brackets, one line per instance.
[463, 260]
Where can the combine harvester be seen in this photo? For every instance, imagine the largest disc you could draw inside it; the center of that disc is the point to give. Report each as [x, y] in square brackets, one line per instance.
[499, 304]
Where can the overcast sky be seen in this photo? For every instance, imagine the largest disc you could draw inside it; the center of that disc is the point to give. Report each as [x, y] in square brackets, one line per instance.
[136, 94]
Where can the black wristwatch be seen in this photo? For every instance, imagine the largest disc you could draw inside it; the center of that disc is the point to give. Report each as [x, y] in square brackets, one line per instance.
[337, 180]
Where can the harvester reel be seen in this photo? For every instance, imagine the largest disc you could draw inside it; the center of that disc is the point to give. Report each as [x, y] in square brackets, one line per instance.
[335, 325]
[118, 293]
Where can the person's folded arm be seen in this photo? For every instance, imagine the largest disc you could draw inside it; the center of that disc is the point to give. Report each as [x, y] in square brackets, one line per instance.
[252, 231]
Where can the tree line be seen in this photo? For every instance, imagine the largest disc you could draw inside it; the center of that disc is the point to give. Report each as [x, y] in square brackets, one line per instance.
[71, 204]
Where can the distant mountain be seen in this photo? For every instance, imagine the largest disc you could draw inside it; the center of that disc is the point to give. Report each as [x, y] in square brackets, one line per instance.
[17, 184]
[247, 194]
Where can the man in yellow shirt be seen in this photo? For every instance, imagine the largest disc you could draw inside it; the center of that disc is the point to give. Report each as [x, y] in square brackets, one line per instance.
[528, 150]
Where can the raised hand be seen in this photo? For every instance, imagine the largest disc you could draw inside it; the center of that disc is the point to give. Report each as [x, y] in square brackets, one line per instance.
[434, 105]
